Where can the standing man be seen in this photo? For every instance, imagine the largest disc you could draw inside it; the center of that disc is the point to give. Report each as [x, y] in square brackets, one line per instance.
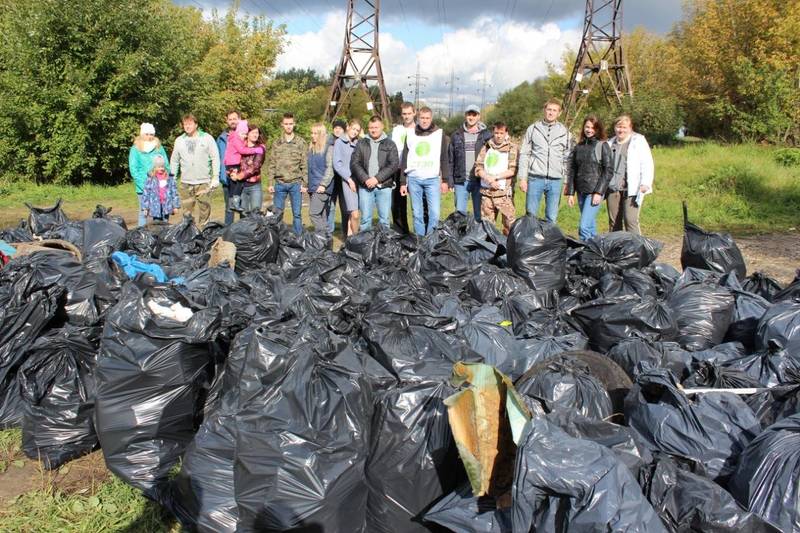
[543, 161]
[633, 176]
[288, 167]
[496, 167]
[374, 165]
[195, 162]
[425, 173]
[342, 153]
[465, 144]
[339, 128]
[399, 135]
[232, 119]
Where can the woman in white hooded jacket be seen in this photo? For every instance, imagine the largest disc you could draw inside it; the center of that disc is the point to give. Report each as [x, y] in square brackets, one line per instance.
[633, 176]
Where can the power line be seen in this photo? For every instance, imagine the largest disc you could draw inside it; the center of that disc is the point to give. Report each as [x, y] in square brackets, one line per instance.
[403, 13]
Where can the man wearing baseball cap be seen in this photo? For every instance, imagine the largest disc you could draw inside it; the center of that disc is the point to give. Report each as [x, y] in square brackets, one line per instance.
[146, 147]
[465, 144]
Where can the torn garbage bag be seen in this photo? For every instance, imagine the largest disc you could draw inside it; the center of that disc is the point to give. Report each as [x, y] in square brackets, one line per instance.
[151, 377]
[57, 384]
[566, 484]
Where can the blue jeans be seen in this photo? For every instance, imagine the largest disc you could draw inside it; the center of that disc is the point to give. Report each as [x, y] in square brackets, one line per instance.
[142, 218]
[463, 191]
[228, 212]
[551, 188]
[429, 191]
[279, 201]
[252, 196]
[587, 227]
[367, 199]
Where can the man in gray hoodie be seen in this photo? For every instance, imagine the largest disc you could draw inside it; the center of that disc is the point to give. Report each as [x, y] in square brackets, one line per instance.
[195, 162]
[374, 165]
[543, 157]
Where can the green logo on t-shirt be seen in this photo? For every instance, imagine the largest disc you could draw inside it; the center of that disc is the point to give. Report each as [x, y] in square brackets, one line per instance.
[492, 159]
[423, 148]
[403, 138]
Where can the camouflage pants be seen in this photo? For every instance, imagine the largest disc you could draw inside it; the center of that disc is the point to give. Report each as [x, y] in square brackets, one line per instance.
[200, 195]
[491, 206]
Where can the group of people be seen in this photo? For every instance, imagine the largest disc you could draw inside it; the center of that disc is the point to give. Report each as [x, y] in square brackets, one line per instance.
[364, 172]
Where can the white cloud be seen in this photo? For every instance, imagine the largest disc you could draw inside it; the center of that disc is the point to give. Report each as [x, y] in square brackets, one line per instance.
[508, 52]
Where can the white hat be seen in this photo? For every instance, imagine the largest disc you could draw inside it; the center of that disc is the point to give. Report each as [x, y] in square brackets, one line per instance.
[147, 128]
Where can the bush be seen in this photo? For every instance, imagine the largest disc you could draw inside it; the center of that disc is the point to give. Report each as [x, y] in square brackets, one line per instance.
[788, 157]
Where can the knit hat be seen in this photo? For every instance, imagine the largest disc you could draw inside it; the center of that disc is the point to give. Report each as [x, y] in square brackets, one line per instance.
[242, 127]
[147, 128]
[158, 161]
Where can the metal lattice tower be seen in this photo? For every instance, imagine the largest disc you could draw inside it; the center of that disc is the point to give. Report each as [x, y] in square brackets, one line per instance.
[600, 60]
[360, 61]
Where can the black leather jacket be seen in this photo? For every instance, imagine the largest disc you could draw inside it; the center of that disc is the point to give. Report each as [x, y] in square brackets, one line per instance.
[585, 174]
[388, 162]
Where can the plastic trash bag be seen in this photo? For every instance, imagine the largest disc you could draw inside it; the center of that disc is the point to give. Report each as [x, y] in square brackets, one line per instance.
[491, 284]
[776, 403]
[42, 219]
[57, 384]
[608, 321]
[616, 252]
[703, 313]
[718, 376]
[461, 512]
[566, 484]
[19, 234]
[626, 283]
[762, 285]
[779, 326]
[769, 367]
[531, 316]
[688, 502]
[537, 251]
[748, 308]
[151, 376]
[628, 353]
[183, 232]
[710, 430]
[766, 481]
[256, 243]
[101, 211]
[143, 243]
[710, 251]
[101, 237]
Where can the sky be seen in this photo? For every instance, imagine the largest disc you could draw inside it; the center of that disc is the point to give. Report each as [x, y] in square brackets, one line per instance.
[485, 48]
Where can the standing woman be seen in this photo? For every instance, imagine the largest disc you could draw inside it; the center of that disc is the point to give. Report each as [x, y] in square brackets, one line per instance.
[249, 173]
[140, 160]
[633, 176]
[589, 171]
[320, 177]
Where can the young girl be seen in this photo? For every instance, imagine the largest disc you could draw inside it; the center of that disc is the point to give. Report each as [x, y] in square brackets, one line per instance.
[234, 151]
[160, 198]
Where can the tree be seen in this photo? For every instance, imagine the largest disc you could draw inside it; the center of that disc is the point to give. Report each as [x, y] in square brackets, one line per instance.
[521, 106]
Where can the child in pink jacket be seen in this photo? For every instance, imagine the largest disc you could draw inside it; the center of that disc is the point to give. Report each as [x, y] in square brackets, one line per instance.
[234, 151]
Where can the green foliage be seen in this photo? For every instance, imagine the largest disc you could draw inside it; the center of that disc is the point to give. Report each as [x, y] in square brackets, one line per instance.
[77, 78]
[656, 116]
[521, 106]
[788, 157]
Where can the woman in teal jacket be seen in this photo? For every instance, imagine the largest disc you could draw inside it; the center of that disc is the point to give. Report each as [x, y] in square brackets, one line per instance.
[140, 160]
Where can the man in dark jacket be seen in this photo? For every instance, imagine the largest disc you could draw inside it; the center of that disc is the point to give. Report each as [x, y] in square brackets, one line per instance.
[465, 144]
[374, 165]
[424, 171]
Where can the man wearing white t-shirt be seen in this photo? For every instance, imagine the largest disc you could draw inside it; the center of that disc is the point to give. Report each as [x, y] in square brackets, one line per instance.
[399, 135]
[425, 171]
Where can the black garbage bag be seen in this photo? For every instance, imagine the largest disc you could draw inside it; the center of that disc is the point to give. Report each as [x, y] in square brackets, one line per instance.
[769, 367]
[710, 251]
[537, 251]
[20, 326]
[462, 512]
[566, 484]
[566, 384]
[57, 384]
[626, 283]
[616, 252]
[19, 234]
[748, 308]
[608, 321]
[256, 243]
[221, 287]
[766, 481]
[102, 237]
[665, 277]
[70, 231]
[762, 285]
[536, 350]
[790, 292]
[711, 430]
[776, 403]
[302, 437]
[491, 284]
[688, 502]
[703, 313]
[721, 353]
[484, 242]
[625, 442]
[779, 326]
[374, 247]
[488, 333]
[413, 459]
[532, 315]
[101, 211]
[42, 219]
[142, 243]
[628, 353]
[183, 232]
[718, 376]
[151, 378]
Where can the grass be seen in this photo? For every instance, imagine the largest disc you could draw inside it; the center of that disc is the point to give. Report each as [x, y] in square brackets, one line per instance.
[10, 447]
[743, 189]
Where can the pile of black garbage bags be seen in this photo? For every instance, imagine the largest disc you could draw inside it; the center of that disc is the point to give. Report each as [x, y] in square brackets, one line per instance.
[303, 390]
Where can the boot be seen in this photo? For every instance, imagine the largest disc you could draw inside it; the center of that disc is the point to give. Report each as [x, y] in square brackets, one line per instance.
[236, 204]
